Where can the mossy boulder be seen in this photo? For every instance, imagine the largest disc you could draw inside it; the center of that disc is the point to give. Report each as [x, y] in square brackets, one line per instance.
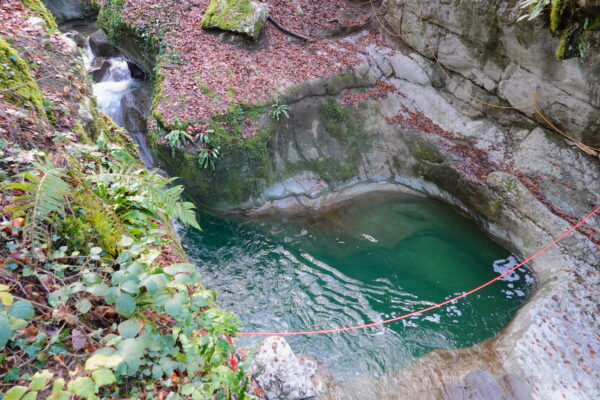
[241, 16]
[16, 81]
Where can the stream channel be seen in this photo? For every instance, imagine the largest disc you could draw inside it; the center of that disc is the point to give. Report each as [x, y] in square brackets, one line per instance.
[369, 259]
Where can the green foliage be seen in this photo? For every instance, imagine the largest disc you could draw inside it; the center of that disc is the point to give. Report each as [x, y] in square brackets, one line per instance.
[178, 137]
[207, 157]
[134, 189]
[244, 163]
[45, 191]
[277, 110]
[189, 337]
[534, 8]
[12, 314]
[567, 19]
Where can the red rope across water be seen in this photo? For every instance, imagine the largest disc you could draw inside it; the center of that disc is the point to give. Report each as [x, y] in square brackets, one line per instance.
[387, 321]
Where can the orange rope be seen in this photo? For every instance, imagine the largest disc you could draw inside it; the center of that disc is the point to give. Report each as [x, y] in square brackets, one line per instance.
[418, 312]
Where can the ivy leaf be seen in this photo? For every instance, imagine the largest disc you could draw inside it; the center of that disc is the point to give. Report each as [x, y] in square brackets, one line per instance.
[95, 253]
[30, 396]
[21, 309]
[15, 393]
[83, 387]
[125, 241]
[103, 376]
[57, 391]
[5, 331]
[84, 306]
[179, 268]
[6, 298]
[129, 329]
[99, 360]
[130, 286]
[40, 380]
[99, 290]
[125, 305]
[173, 306]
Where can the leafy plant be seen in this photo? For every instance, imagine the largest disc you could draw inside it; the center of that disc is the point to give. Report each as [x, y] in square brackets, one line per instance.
[136, 189]
[534, 8]
[278, 110]
[177, 138]
[207, 157]
[45, 192]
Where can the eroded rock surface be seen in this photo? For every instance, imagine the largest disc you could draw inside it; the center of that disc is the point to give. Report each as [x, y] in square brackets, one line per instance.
[282, 375]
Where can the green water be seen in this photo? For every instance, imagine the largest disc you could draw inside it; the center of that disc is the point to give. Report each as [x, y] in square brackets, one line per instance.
[369, 260]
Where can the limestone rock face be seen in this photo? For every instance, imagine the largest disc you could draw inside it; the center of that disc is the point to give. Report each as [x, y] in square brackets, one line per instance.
[486, 43]
[282, 375]
[241, 16]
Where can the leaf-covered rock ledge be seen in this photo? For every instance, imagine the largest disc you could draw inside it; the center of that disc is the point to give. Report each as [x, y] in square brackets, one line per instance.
[96, 297]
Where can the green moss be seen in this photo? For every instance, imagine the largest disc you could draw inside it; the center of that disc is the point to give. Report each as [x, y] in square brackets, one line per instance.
[563, 44]
[42, 11]
[556, 13]
[231, 16]
[338, 122]
[102, 219]
[16, 80]
[244, 168]
[492, 207]
[425, 151]
[329, 169]
[83, 135]
[75, 231]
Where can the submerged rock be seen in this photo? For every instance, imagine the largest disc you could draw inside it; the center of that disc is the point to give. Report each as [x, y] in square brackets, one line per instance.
[280, 374]
[241, 16]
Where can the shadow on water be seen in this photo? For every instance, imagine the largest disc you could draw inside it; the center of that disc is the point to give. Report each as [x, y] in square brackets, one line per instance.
[371, 259]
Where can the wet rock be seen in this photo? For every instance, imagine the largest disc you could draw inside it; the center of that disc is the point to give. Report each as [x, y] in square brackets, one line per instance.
[99, 72]
[136, 72]
[101, 46]
[280, 374]
[77, 37]
[241, 16]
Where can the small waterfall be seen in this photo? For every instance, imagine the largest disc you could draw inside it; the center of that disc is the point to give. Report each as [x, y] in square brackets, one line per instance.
[116, 94]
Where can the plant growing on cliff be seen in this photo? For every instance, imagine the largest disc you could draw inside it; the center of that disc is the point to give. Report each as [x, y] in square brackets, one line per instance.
[534, 8]
[207, 157]
[568, 19]
[178, 136]
[278, 110]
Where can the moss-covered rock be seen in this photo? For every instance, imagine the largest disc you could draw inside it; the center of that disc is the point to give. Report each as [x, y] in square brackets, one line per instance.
[243, 170]
[16, 82]
[242, 16]
[42, 11]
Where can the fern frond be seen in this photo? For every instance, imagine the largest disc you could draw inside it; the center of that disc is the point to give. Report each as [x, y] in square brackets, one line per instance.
[149, 190]
[45, 195]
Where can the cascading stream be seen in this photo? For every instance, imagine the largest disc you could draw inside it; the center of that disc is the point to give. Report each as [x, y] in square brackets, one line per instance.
[115, 94]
